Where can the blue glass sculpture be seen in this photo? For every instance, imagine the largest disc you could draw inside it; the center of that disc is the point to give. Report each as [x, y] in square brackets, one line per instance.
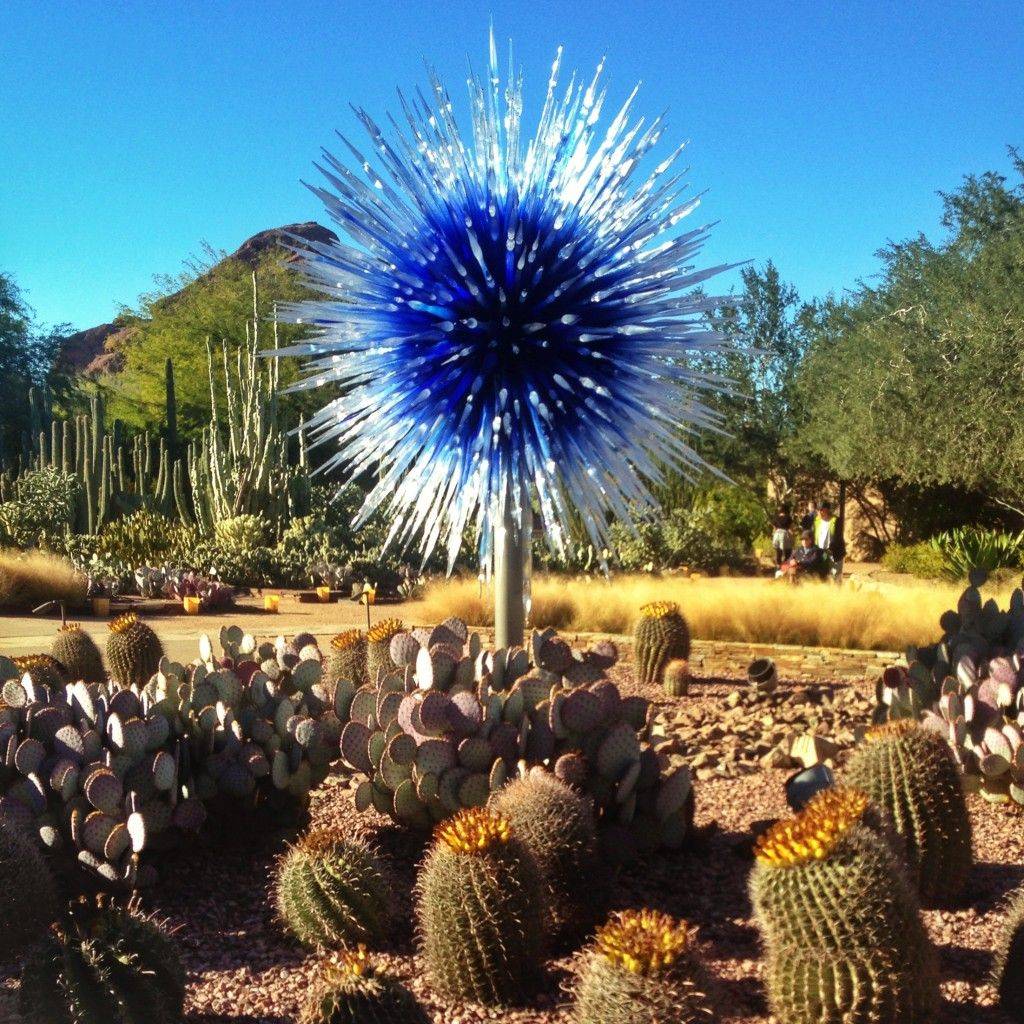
[508, 322]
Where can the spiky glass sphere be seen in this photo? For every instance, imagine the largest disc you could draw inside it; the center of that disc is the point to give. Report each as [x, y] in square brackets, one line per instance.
[507, 321]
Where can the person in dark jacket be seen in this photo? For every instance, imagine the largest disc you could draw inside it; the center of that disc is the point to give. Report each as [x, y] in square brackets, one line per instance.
[808, 560]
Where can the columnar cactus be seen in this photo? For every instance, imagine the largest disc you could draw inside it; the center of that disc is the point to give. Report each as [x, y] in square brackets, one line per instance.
[676, 680]
[352, 991]
[347, 658]
[480, 910]
[331, 891]
[556, 824]
[30, 893]
[661, 635]
[840, 920]
[640, 969]
[910, 773]
[378, 654]
[133, 651]
[78, 653]
[1008, 968]
[104, 964]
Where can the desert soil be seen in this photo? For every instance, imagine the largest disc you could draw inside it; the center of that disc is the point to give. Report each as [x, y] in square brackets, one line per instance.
[244, 969]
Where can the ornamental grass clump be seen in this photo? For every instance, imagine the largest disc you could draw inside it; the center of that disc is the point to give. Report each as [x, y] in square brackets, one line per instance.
[661, 636]
[556, 824]
[78, 653]
[909, 772]
[352, 990]
[840, 920]
[331, 891]
[104, 964]
[640, 969]
[480, 909]
[133, 651]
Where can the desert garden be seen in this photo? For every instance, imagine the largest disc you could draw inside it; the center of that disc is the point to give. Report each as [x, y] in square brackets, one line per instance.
[422, 622]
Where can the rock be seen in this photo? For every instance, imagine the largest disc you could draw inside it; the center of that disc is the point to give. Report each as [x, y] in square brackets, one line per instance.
[809, 750]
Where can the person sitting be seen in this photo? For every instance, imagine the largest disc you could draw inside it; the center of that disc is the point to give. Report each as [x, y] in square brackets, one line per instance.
[808, 560]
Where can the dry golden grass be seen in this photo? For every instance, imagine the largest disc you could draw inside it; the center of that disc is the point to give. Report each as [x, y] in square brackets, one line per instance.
[885, 617]
[29, 579]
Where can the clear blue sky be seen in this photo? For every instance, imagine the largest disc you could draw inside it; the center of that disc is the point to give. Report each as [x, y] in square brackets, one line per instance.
[133, 132]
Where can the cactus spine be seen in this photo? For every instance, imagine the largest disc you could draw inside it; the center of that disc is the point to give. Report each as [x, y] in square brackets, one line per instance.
[133, 651]
[479, 908]
[378, 653]
[840, 920]
[661, 635]
[347, 658]
[331, 891]
[1008, 967]
[104, 964]
[556, 824]
[352, 991]
[910, 773]
[30, 893]
[78, 653]
[640, 969]
[676, 681]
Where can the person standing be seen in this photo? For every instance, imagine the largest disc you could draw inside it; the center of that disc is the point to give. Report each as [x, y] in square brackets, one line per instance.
[807, 519]
[782, 536]
[828, 535]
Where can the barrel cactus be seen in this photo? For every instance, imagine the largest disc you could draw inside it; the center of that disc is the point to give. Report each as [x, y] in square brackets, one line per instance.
[840, 920]
[352, 991]
[661, 635]
[347, 658]
[78, 653]
[331, 891]
[556, 824]
[676, 680]
[480, 910]
[30, 893]
[42, 669]
[104, 964]
[640, 969]
[1008, 968]
[133, 650]
[910, 773]
[378, 642]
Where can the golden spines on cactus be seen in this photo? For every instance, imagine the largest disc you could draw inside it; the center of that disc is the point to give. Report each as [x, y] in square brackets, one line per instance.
[133, 650]
[814, 833]
[659, 609]
[122, 623]
[346, 641]
[661, 636]
[910, 773]
[78, 653]
[42, 669]
[378, 654]
[640, 968]
[384, 630]
[480, 910]
[346, 658]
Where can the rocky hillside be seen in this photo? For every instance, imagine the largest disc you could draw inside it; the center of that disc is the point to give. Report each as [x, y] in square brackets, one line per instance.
[96, 350]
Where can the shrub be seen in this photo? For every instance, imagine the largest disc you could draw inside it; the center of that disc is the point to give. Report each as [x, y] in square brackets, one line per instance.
[30, 579]
[971, 548]
[331, 891]
[843, 935]
[910, 773]
[480, 911]
[923, 560]
[243, 532]
[104, 964]
[41, 510]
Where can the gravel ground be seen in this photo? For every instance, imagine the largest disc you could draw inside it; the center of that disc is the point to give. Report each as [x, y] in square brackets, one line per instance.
[244, 969]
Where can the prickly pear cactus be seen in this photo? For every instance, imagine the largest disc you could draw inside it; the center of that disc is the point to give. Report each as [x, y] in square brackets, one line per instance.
[640, 969]
[30, 893]
[104, 964]
[840, 921]
[910, 774]
[661, 636]
[78, 653]
[346, 658]
[331, 891]
[480, 911]
[133, 650]
[352, 991]
[556, 824]
[1008, 966]
[676, 680]
[378, 653]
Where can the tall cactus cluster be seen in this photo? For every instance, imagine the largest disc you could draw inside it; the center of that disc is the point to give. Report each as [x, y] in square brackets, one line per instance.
[331, 891]
[451, 722]
[910, 774]
[480, 910]
[105, 771]
[661, 636]
[641, 968]
[840, 921]
[353, 991]
[104, 964]
[968, 687]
